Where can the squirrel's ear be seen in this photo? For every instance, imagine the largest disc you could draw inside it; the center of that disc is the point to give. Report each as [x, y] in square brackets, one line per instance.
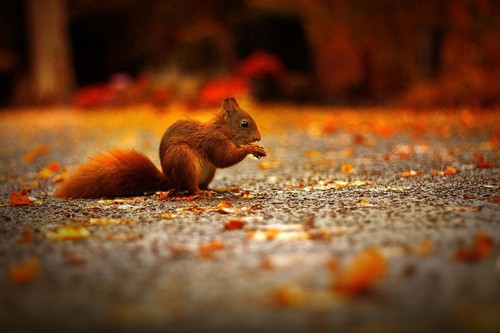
[230, 105]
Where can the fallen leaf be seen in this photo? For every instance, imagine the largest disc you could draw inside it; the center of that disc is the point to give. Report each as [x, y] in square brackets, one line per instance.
[17, 199]
[33, 154]
[347, 168]
[266, 165]
[450, 171]
[348, 152]
[207, 249]
[234, 224]
[496, 200]
[274, 234]
[74, 258]
[424, 248]
[411, 173]
[225, 207]
[168, 216]
[289, 296]
[247, 195]
[48, 171]
[99, 221]
[26, 237]
[68, 232]
[313, 153]
[123, 236]
[481, 162]
[482, 248]
[364, 202]
[359, 139]
[365, 269]
[196, 209]
[25, 272]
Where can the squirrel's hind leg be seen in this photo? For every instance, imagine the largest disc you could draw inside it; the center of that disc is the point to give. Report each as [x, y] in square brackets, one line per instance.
[181, 166]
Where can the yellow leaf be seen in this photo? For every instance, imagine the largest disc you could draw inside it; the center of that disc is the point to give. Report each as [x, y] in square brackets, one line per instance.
[68, 232]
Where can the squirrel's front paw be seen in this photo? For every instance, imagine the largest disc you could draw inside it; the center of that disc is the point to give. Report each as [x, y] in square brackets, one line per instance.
[256, 151]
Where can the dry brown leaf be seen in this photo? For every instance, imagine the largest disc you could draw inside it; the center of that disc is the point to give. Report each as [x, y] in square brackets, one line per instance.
[25, 272]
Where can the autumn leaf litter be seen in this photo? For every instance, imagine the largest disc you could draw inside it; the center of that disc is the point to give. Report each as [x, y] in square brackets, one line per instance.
[343, 208]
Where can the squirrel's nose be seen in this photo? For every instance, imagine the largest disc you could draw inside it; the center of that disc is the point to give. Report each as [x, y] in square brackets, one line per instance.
[257, 138]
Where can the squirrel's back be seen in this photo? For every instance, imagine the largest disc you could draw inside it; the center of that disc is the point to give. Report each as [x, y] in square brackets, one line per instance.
[117, 173]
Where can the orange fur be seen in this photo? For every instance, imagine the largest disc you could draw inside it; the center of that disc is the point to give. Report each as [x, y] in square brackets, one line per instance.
[117, 173]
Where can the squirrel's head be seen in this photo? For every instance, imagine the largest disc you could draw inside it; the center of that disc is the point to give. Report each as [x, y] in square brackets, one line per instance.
[243, 129]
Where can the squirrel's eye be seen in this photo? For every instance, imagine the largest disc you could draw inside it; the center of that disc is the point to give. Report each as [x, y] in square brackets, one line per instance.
[244, 123]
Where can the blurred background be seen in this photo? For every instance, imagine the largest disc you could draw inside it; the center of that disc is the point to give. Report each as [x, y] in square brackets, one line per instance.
[93, 53]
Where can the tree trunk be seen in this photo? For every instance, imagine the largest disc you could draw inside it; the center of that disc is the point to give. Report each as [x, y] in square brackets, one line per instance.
[51, 72]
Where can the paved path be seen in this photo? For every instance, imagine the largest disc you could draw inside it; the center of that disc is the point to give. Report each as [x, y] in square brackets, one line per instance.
[337, 183]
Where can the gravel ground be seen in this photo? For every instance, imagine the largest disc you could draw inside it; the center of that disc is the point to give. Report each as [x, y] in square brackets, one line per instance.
[151, 264]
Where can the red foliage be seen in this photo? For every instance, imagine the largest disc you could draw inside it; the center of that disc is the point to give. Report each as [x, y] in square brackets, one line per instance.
[218, 89]
[261, 64]
[481, 162]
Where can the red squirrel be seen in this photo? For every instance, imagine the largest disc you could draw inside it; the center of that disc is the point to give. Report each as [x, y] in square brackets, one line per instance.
[190, 153]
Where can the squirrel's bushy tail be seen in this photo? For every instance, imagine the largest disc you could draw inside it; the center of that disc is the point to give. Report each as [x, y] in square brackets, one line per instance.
[117, 173]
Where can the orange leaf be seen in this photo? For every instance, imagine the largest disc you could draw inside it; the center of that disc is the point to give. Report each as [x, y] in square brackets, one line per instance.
[207, 249]
[450, 171]
[347, 168]
[17, 199]
[25, 272]
[411, 173]
[33, 154]
[366, 268]
[482, 248]
[348, 152]
[54, 166]
[289, 296]
[234, 224]
[425, 247]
